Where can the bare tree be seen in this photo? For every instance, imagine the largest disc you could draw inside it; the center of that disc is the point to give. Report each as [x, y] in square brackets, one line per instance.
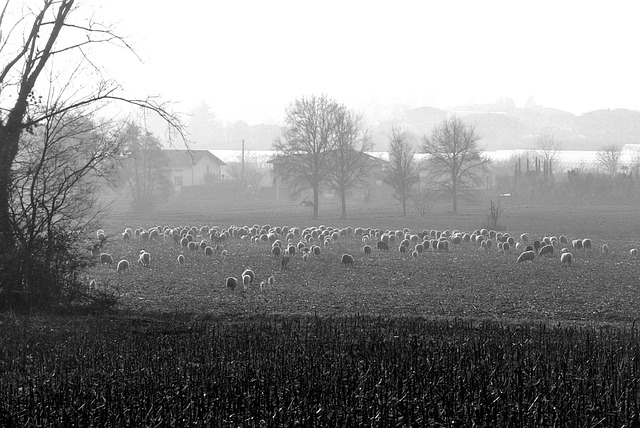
[547, 147]
[248, 175]
[403, 172]
[31, 37]
[455, 163]
[308, 135]
[144, 168]
[608, 158]
[349, 164]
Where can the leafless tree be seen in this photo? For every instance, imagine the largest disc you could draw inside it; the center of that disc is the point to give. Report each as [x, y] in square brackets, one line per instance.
[455, 164]
[608, 158]
[349, 164]
[248, 176]
[303, 152]
[403, 173]
[144, 168]
[547, 147]
[31, 36]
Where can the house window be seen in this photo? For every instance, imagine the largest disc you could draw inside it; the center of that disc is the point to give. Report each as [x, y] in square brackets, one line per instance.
[177, 181]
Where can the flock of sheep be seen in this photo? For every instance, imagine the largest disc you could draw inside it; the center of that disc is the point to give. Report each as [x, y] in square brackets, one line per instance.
[285, 243]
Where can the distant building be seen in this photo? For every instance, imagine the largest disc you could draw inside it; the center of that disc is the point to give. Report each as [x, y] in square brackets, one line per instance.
[193, 167]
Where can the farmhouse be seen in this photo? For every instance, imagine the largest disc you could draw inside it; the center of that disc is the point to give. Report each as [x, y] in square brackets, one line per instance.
[193, 167]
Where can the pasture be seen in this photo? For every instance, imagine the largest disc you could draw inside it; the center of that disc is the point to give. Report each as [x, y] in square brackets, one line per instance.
[465, 337]
[465, 282]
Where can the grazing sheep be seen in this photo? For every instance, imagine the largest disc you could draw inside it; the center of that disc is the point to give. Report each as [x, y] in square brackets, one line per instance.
[566, 258]
[284, 262]
[347, 260]
[546, 250]
[577, 244]
[246, 280]
[144, 258]
[563, 240]
[249, 273]
[489, 243]
[208, 250]
[305, 256]
[184, 242]
[519, 247]
[586, 244]
[106, 259]
[367, 249]
[605, 249]
[524, 237]
[526, 256]
[193, 246]
[291, 250]
[506, 247]
[231, 283]
[271, 280]
[316, 250]
[126, 237]
[181, 260]
[633, 252]
[122, 266]
[92, 285]
[383, 246]
[536, 245]
[443, 246]
[262, 285]
[402, 249]
[224, 254]
[276, 251]
[414, 255]
[419, 248]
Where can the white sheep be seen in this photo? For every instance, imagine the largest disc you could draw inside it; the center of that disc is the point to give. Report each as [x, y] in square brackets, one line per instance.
[250, 274]
[586, 244]
[546, 250]
[367, 249]
[347, 260]
[208, 250]
[526, 256]
[106, 259]
[231, 283]
[271, 280]
[633, 252]
[246, 280]
[414, 254]
[144, 258]
[126, 237]
[605, 249]
[122, 265]
[566, 258]
[224, 254]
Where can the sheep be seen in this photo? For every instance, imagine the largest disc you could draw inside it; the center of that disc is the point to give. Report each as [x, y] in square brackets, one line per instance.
[284, 262]
[208, 250]
[524, 237]
[106, 259]
[383, 246]
[347, 260]
[224, 254]
[92, 284]
[99, 233]
[546, 250]
[506, 247]
[184, 242]
[305, 256]
[144, 258]
[529, 248]
[443, 246]
[126, 237]
[419, 248]
[276, 251]
[605, 249]
[193, 246]
[414, 255]
[231, 283]
[563, 240]
[526, 256]
[566, 258]
[262, 285]
[577, 244]
[633, 252]
[519, 247]
[291, 250]
[246, 280]
[271, 280]
[181, 260]
[122, 266]
[402, 249]
[586, 244]
[367, 249]
[536, 245]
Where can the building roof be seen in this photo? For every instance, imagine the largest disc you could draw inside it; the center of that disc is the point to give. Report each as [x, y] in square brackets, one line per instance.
[180, 159]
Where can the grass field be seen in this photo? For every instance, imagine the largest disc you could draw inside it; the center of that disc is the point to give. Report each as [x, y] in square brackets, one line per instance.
[460, 338]
[465, 282]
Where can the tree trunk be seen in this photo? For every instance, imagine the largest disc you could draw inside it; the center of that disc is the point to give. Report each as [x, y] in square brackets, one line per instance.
[454, 190]
[343, 200]
[8, 152]
[316, 190]
[404, 206]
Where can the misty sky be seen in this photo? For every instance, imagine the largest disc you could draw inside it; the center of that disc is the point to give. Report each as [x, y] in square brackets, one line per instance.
[250, 59]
